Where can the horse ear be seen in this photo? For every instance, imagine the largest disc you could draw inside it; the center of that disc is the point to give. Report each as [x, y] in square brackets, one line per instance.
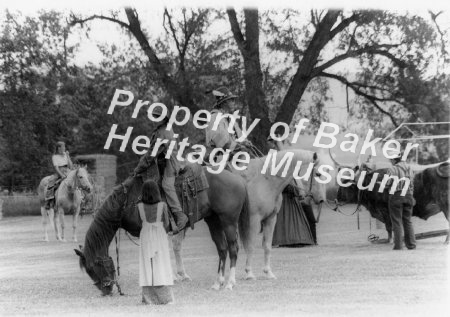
[79, 253]
[315, 156]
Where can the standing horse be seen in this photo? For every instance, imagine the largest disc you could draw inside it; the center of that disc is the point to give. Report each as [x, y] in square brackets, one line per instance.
[67, 198]
[220, 205]
[264, 194]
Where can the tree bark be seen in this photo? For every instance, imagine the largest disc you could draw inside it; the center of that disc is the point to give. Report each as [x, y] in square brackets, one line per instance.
[253, 77]
[304, 73]
[181, 92]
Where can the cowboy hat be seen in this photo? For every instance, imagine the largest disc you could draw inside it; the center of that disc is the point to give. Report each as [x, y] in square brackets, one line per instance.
[222, 94]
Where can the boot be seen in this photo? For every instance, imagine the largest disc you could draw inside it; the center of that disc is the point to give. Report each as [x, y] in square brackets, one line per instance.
[48, 204]
[181, 219]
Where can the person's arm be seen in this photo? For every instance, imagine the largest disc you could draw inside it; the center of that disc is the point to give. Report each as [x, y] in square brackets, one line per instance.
[165, 218]
[59, 172]
[146, 159]
[55, 165]
[69, 161]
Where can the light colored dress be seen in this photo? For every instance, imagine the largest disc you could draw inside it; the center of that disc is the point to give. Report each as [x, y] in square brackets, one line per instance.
[155, 270]
[154, 257]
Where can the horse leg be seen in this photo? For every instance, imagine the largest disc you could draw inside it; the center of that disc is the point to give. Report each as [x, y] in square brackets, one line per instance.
[44, 222]
[254, 227]
[448, 233]
[177, 244]
[56, 223]
[233, 248]
[76, 213]
[268, 227]
[218, 236]
[61, 220]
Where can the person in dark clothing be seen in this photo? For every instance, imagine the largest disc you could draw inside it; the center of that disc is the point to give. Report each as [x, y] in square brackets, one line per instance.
[400, 207]
[309, 213]
[296, 226]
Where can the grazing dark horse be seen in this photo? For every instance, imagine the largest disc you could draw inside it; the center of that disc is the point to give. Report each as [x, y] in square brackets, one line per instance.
[220, 205]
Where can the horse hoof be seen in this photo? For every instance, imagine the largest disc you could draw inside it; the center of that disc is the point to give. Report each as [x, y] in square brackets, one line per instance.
[250, 277]
[229, 287]
[45, 239]
[270, 275]
[215, 286]
[74, 240]
[63, 240]
[186, 278]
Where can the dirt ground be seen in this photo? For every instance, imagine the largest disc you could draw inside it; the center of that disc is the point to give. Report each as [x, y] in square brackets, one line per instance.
[344, 275]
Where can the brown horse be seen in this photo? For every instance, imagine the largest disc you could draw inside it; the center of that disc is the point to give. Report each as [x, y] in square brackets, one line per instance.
[220, 205]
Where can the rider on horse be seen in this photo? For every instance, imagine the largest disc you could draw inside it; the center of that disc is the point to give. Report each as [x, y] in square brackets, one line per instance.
[171, 169]
[221, 137]
[62, 164]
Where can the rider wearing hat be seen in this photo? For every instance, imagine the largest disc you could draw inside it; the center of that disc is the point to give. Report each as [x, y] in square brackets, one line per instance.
[62, 163]
[400, 207]
[172, 167]
[221, 137]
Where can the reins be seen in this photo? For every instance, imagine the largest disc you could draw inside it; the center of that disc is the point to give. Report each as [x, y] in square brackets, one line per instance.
[117, 239]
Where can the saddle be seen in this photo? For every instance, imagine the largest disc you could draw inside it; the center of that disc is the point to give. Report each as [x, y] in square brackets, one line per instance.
[191, 181]
[52, 186]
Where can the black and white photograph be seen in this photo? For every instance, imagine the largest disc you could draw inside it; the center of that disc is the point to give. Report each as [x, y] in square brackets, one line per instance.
[224, 158]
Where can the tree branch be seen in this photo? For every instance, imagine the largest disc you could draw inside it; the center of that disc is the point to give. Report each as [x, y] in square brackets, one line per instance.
[74, 20]
[372, 99]
[344, 23]
[375, 50]
[172, 30]
[434, 16]
[236, 30]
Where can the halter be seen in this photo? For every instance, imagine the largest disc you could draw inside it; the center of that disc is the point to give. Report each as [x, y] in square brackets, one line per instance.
[313, 174]
[100, 261]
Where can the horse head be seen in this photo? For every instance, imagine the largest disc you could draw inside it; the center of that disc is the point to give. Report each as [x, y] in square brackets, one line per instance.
[100, 269]
[82, 179]
[315, 186]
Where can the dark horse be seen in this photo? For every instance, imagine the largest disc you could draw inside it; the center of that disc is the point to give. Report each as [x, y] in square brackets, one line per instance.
[220, 205]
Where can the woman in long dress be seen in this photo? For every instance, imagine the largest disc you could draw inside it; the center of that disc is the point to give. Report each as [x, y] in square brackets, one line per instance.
[296, 224]
[155, 271]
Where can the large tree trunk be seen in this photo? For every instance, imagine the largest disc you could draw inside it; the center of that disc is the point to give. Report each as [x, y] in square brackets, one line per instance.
[255, 96]
[304, 73]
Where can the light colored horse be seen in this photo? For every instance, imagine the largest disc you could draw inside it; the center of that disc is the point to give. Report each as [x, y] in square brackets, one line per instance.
[264, 193]
[67, 198]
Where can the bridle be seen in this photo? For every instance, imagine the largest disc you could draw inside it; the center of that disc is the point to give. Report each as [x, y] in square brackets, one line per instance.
[100, 261]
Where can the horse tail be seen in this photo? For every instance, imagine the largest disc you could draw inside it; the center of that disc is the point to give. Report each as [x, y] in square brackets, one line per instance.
[244, 221]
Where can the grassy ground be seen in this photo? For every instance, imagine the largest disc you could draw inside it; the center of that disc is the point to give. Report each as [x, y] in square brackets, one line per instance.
[344, 275]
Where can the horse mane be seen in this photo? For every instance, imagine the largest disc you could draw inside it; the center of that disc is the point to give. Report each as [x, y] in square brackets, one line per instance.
[255, 166]
[99, 234]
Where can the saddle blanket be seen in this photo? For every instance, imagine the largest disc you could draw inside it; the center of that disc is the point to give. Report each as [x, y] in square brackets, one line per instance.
[188, 184]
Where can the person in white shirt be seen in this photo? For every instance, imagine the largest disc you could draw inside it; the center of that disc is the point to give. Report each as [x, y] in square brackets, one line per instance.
[63, 164]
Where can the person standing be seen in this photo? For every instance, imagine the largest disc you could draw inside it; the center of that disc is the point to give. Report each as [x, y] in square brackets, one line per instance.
[296, 223]
[155, 272]
[400, 207]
